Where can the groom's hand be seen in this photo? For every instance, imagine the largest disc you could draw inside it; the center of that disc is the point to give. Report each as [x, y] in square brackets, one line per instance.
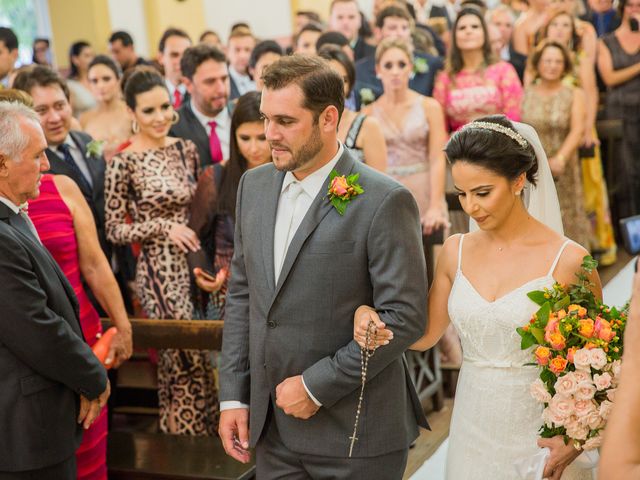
[293, 399]
[234, 433]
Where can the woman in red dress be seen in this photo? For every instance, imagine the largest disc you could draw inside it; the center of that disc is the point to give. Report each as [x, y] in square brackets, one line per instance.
[66, 228]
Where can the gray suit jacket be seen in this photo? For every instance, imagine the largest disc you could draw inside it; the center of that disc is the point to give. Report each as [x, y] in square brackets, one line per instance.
[304, 324]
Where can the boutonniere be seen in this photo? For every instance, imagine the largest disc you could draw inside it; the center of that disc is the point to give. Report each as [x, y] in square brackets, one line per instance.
[420, 65]
[95, 148]
[366, 96]
[342, 189]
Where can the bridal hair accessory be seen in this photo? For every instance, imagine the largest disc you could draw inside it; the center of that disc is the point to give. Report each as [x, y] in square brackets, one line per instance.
[496, 127]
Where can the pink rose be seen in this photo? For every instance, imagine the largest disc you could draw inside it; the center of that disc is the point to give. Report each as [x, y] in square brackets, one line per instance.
[566, 385]
[561, 407]
[597, 358]
[552, 419]
[603, 330]
[585, 391]
[593, 442]
[605, 409]
[539, 391]
[551, 327]
[339, 186]
[593, 420]
[584, 408]
[582, 376]
[576, 430]
[582, 359]
[611, 394]
[602, 381]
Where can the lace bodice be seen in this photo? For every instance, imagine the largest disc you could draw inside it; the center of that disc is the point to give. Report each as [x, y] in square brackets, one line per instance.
[495, 420]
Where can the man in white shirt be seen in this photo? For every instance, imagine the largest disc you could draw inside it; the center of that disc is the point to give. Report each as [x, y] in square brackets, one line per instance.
[289, 367]
[170, 50]
[239, 48]
[205, 119]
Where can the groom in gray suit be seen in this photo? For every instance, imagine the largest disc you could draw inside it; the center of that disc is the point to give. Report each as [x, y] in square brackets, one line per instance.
[290, 370]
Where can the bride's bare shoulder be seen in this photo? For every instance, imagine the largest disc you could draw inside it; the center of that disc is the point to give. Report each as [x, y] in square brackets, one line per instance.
[570, 264]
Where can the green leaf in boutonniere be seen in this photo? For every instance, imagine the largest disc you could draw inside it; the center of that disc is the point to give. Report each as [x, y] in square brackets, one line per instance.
[342, 189]
[420, 65]
[95, 148]
[366, 96]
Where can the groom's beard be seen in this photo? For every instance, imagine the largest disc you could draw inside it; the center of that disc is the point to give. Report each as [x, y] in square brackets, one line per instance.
[305, 155]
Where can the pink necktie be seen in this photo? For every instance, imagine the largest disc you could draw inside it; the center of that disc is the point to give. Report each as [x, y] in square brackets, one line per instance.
[177, 99]
[214, 143]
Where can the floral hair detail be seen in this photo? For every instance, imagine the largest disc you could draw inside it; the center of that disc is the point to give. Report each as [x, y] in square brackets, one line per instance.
[496, 127]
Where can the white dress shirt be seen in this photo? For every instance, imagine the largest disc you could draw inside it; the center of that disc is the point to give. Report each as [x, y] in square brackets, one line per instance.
[77, 156]
[172, 88]
[223, 126]
[243, 82]
[287, 224]
[12, 206]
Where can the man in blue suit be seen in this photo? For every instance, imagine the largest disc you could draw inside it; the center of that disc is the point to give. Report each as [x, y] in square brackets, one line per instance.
[394, 22]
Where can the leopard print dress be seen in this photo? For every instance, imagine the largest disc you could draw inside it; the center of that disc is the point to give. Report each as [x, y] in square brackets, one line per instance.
[154, 189]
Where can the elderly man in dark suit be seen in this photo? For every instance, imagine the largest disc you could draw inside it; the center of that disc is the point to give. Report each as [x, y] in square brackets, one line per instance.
[206, 118]
[51, 384]
[289, 368]
[394, 21]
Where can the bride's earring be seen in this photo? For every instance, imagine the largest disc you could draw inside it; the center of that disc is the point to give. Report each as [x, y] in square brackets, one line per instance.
[518, 193]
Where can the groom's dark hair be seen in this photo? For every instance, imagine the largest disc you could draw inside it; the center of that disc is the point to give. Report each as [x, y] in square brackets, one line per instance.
[320, 84]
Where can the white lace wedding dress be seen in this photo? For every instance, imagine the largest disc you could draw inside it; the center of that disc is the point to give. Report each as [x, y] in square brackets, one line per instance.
[495, 420]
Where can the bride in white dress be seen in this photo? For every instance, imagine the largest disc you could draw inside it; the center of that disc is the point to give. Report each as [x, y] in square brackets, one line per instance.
[480, 284]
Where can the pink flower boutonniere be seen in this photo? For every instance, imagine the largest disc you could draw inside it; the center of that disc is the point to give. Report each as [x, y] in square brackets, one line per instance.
[342, 189]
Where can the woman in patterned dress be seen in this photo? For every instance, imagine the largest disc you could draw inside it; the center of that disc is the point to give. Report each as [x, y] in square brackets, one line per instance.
[557, 113]
[473, 84]
[153, 181]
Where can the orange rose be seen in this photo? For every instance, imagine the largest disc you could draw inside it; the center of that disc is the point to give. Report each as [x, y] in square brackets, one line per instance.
[543, 354]
[557, 341]
[339, 186]
[586, 327]
[582, 312]
[561, 314]
[603, 330]
[570, 354]
[558, 365]
[573, 308]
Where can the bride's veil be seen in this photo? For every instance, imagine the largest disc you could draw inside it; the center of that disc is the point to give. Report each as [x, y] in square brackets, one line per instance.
[541, 201]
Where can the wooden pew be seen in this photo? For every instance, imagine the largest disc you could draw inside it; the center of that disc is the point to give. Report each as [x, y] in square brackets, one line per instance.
[133, 455]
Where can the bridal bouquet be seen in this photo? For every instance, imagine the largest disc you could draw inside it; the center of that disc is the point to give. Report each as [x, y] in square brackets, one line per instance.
[578, 347]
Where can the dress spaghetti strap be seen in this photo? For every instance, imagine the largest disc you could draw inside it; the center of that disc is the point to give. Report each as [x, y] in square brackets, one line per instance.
[460, 251]
[557, 259]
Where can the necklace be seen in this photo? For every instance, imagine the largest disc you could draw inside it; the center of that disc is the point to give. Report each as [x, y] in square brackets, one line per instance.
[365, 354]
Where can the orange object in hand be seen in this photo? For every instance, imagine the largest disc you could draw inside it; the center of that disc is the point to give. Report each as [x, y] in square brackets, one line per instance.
[101, 347]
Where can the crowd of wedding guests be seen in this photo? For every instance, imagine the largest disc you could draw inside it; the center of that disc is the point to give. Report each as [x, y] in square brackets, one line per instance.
[147, 154]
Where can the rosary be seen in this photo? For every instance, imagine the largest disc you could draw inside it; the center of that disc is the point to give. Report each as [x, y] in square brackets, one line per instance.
[365, 354]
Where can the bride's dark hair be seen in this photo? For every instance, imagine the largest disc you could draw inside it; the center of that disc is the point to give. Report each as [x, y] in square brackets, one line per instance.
[493, 150]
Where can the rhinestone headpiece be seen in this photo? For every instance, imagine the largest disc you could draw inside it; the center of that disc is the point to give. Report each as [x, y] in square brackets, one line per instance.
[496, 127]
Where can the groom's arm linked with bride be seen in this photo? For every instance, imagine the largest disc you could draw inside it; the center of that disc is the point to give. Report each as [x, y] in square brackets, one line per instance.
[301, 328]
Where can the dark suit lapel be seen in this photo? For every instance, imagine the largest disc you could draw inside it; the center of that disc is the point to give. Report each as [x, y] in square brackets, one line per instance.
[90, 161]
[59, 167]
[32, 241]
[201, 138]
[317, 211]
[268, 225]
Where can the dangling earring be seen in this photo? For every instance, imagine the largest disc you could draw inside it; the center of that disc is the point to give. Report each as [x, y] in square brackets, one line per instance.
[176, 118]
[135, 128]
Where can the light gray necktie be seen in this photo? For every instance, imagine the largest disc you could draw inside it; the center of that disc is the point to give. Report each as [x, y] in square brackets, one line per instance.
[283, 239]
